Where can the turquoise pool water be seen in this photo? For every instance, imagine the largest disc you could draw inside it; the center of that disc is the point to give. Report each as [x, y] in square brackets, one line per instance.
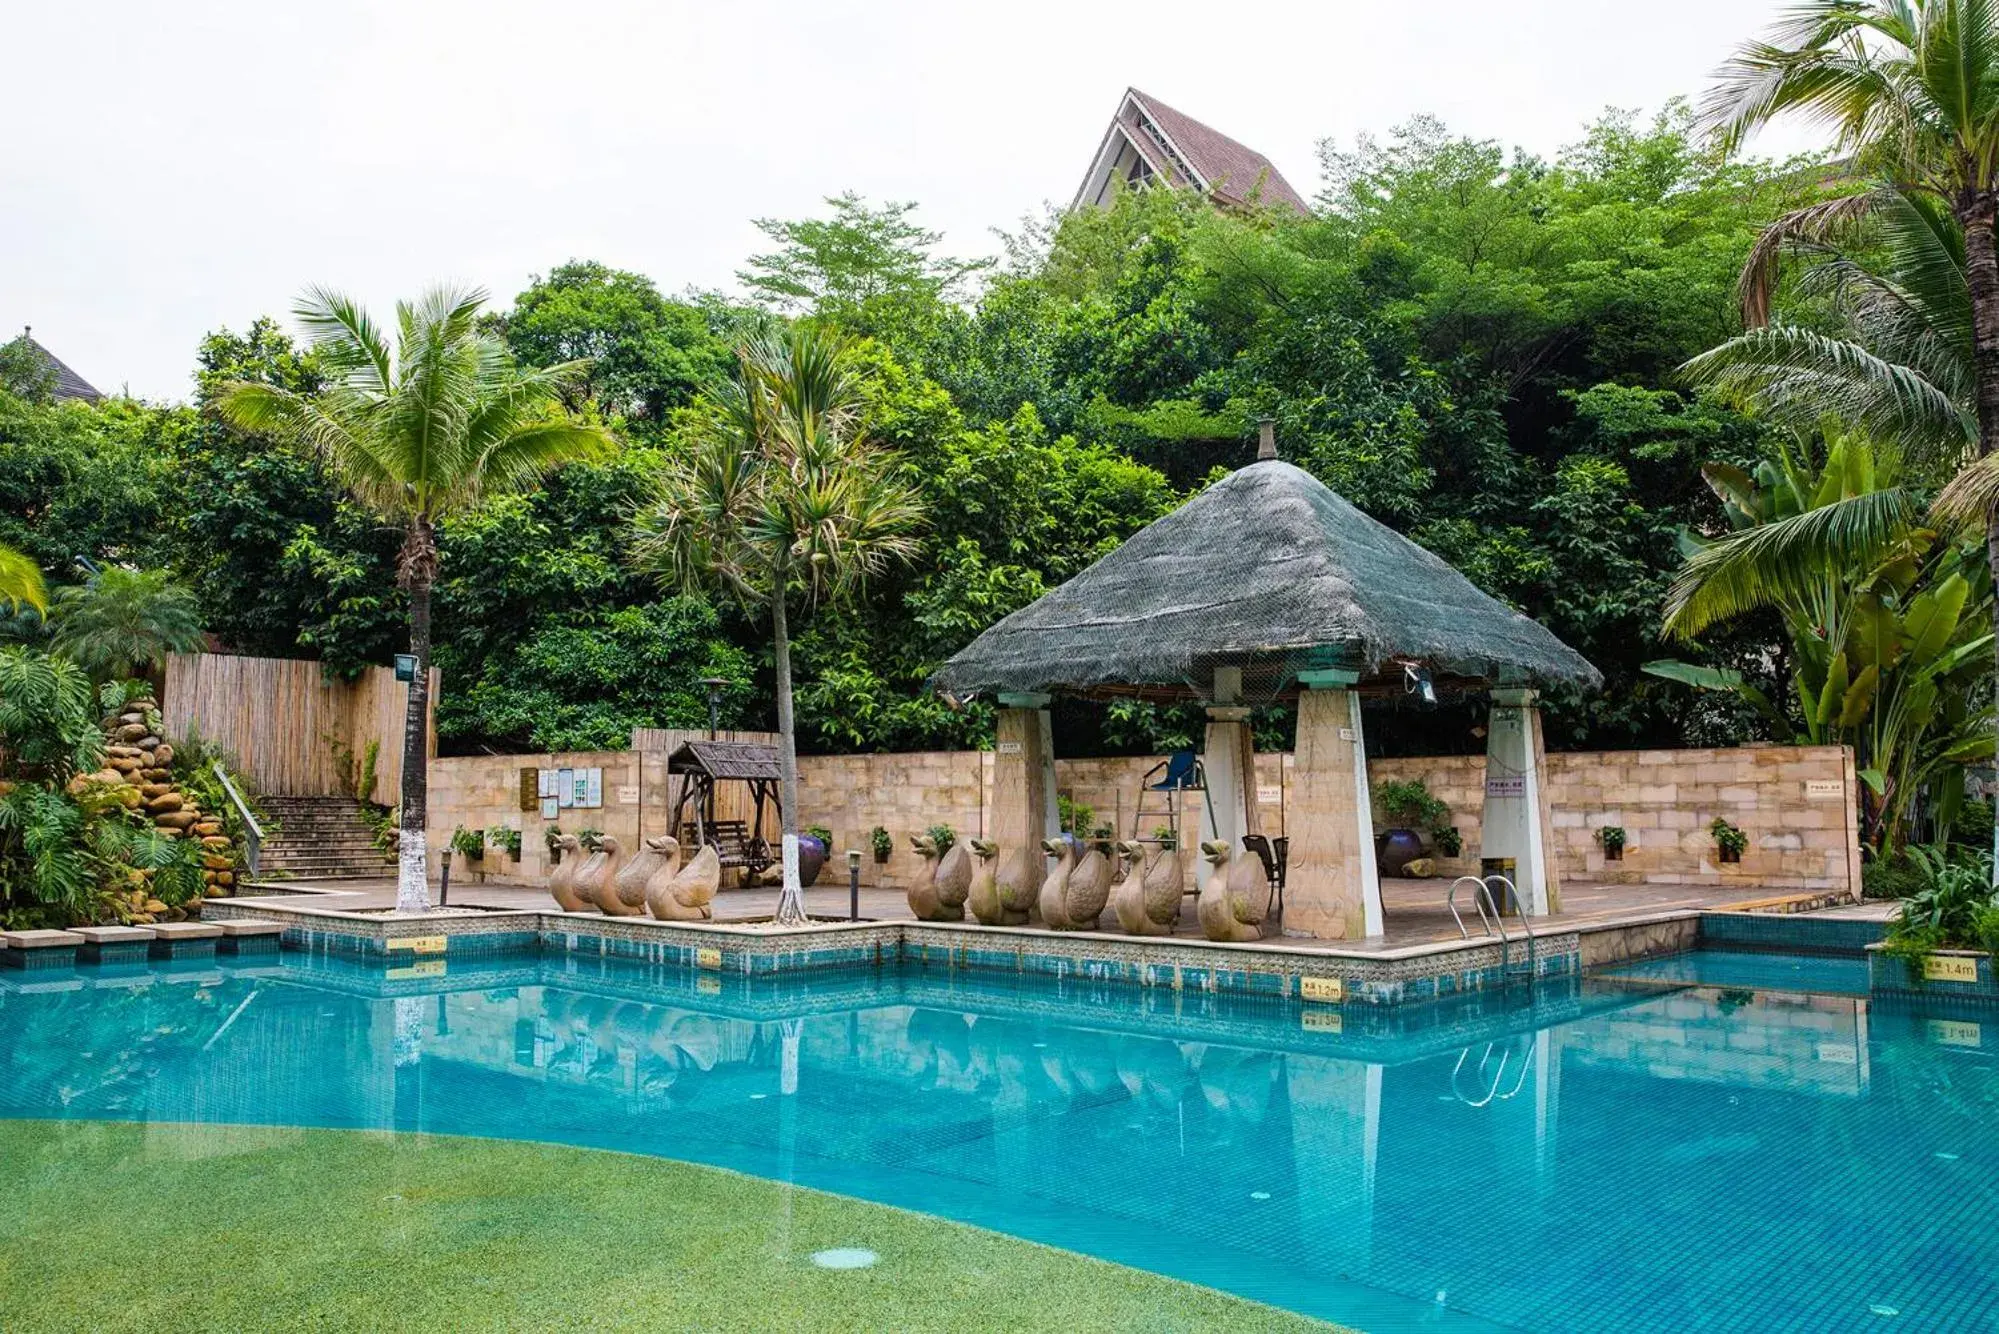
[1669, 1151]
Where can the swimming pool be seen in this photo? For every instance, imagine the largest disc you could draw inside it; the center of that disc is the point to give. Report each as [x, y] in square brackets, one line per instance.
[1663, 1151]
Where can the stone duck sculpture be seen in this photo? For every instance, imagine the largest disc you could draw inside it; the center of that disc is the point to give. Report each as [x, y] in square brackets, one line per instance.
[1147, 903]
[1075, 892]
[938, 892]
[593, 878]
[562, 879]
[626, 896]
[982, 896]
[1231, 907]
[684, 894]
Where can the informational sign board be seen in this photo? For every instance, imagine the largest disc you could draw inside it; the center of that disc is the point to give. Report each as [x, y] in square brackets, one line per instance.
[1506, 787]
[551, 809]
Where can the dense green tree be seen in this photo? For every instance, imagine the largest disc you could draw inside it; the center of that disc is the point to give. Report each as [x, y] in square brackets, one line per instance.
[645, 355]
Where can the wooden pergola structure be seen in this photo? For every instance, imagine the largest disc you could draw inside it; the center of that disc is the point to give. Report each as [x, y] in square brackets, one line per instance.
[1268, 586]
[700, 765]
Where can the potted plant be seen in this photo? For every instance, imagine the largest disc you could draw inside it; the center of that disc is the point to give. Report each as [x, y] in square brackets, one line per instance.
[1448, 839]
[882, 844]
[1166, 838]
[548, 838]
[943, 836]
[1612, 838]
[1729, 840]
[813, 849]
[587, 839]
[471, 845]
[507, 839]
[1405, 808]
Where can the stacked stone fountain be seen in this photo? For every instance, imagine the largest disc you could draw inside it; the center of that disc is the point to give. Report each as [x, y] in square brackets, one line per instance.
[140, 762]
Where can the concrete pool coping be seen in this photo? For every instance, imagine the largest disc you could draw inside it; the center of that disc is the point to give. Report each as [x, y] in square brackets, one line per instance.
[1417, 971]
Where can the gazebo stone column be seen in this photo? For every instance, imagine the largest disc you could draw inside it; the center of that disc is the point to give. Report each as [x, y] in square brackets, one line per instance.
[1517, 825]
[1228, 760]
[1024, 811]
[1331, 890]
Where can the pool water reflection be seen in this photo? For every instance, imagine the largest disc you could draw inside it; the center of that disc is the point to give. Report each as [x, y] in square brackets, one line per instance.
[1644, 1153]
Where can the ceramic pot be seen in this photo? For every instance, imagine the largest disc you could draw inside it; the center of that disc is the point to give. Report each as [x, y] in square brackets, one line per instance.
[1398, 847]
[811, 859]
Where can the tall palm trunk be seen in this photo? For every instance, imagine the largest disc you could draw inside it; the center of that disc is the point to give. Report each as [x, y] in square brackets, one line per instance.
[419, 572]
[1981, 263]
[791, 898]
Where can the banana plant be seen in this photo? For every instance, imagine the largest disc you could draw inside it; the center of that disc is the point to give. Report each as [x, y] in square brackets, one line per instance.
[1884, 618]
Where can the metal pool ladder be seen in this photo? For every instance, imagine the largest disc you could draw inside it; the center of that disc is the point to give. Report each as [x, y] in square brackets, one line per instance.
[1498, 1076]
[1493, 921]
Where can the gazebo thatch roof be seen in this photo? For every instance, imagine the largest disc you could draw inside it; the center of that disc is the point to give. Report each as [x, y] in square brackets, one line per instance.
[726, 759]
[1271, 571]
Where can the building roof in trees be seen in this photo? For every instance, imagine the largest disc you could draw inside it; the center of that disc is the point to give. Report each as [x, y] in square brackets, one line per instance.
[1270, 572]
[1148, 140]
[68, 383]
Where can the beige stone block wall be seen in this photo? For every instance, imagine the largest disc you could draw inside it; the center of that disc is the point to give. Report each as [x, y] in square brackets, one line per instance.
[1664, 800]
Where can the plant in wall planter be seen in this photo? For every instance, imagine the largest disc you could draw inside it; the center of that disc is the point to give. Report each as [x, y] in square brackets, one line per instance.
[882, 844]
[1449, 840]
[470, 842]
[508, 840]
[588, 838]
[1405, 809]
[1612, 838]
[1166, 838]
[1728, 840]
[548, 838]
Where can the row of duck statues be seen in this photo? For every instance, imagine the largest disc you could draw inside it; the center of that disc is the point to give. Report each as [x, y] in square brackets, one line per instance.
[653, 882]
[1085, 879]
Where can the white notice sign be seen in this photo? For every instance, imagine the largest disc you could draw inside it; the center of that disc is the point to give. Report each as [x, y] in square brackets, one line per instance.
[1269, 796]
[1506, 787]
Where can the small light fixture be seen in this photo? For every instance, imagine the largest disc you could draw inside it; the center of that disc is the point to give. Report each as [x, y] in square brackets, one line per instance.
[716, 685]
[1416, 681]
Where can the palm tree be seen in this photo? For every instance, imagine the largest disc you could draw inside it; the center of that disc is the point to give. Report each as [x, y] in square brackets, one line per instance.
[777, 494]
[124, 622]
[416, 436]
[21, 581]
[1911, 89]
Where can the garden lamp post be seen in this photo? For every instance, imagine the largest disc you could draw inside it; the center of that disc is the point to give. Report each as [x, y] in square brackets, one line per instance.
[715, 685]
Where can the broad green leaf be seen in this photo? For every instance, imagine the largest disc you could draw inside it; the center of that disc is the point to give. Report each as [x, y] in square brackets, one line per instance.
[1693, 674]
[1877, 782]
[1859, 697]
[1833, 693]
[1933, 617]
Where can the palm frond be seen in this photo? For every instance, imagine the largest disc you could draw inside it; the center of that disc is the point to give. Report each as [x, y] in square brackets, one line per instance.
[1799, 376]
[21, 582]
[1789, 558]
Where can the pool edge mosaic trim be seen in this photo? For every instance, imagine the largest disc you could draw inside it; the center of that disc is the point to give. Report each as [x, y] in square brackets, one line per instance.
[1277, 969]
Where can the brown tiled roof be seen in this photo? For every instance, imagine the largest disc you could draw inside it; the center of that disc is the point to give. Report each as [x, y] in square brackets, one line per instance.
[68, 383]
[1232, 170]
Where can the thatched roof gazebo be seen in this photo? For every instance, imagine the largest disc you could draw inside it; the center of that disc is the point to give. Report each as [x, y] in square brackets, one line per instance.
[1271, 572]
[700, 765]
[1267, 586]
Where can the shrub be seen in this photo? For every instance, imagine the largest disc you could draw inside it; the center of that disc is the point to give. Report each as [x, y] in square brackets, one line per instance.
[1890, 877]
[471, 842]
[1409, 805]
[1073, 816]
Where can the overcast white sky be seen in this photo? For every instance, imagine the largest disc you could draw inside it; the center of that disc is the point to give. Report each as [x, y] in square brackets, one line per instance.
[176, 168]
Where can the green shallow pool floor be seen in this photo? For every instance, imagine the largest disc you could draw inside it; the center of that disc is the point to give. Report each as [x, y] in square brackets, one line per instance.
[110, 1226]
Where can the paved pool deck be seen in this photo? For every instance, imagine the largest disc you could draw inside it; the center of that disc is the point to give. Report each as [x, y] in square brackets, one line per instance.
[1414, 911]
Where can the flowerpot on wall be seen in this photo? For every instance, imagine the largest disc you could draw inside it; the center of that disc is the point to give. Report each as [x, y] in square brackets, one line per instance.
[1396, 849]
[1729, 856]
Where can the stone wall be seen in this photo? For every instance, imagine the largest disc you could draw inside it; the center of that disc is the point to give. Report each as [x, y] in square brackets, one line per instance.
[1795, 803]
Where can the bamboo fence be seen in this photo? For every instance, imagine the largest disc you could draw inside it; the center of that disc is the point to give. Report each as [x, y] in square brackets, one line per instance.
[288, 726]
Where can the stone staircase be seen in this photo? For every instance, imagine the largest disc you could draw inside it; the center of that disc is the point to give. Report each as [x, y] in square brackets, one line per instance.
[321, 838]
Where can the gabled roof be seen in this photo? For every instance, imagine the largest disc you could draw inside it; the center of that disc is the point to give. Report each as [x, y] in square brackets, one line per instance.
[726, 759]
[1271, 572]
[1175, 147]
[68, 383]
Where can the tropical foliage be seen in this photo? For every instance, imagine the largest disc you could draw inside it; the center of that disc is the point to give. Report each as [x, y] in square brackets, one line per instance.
[122, 623]
[416, 435]
[780, 494]
[1886, 624]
